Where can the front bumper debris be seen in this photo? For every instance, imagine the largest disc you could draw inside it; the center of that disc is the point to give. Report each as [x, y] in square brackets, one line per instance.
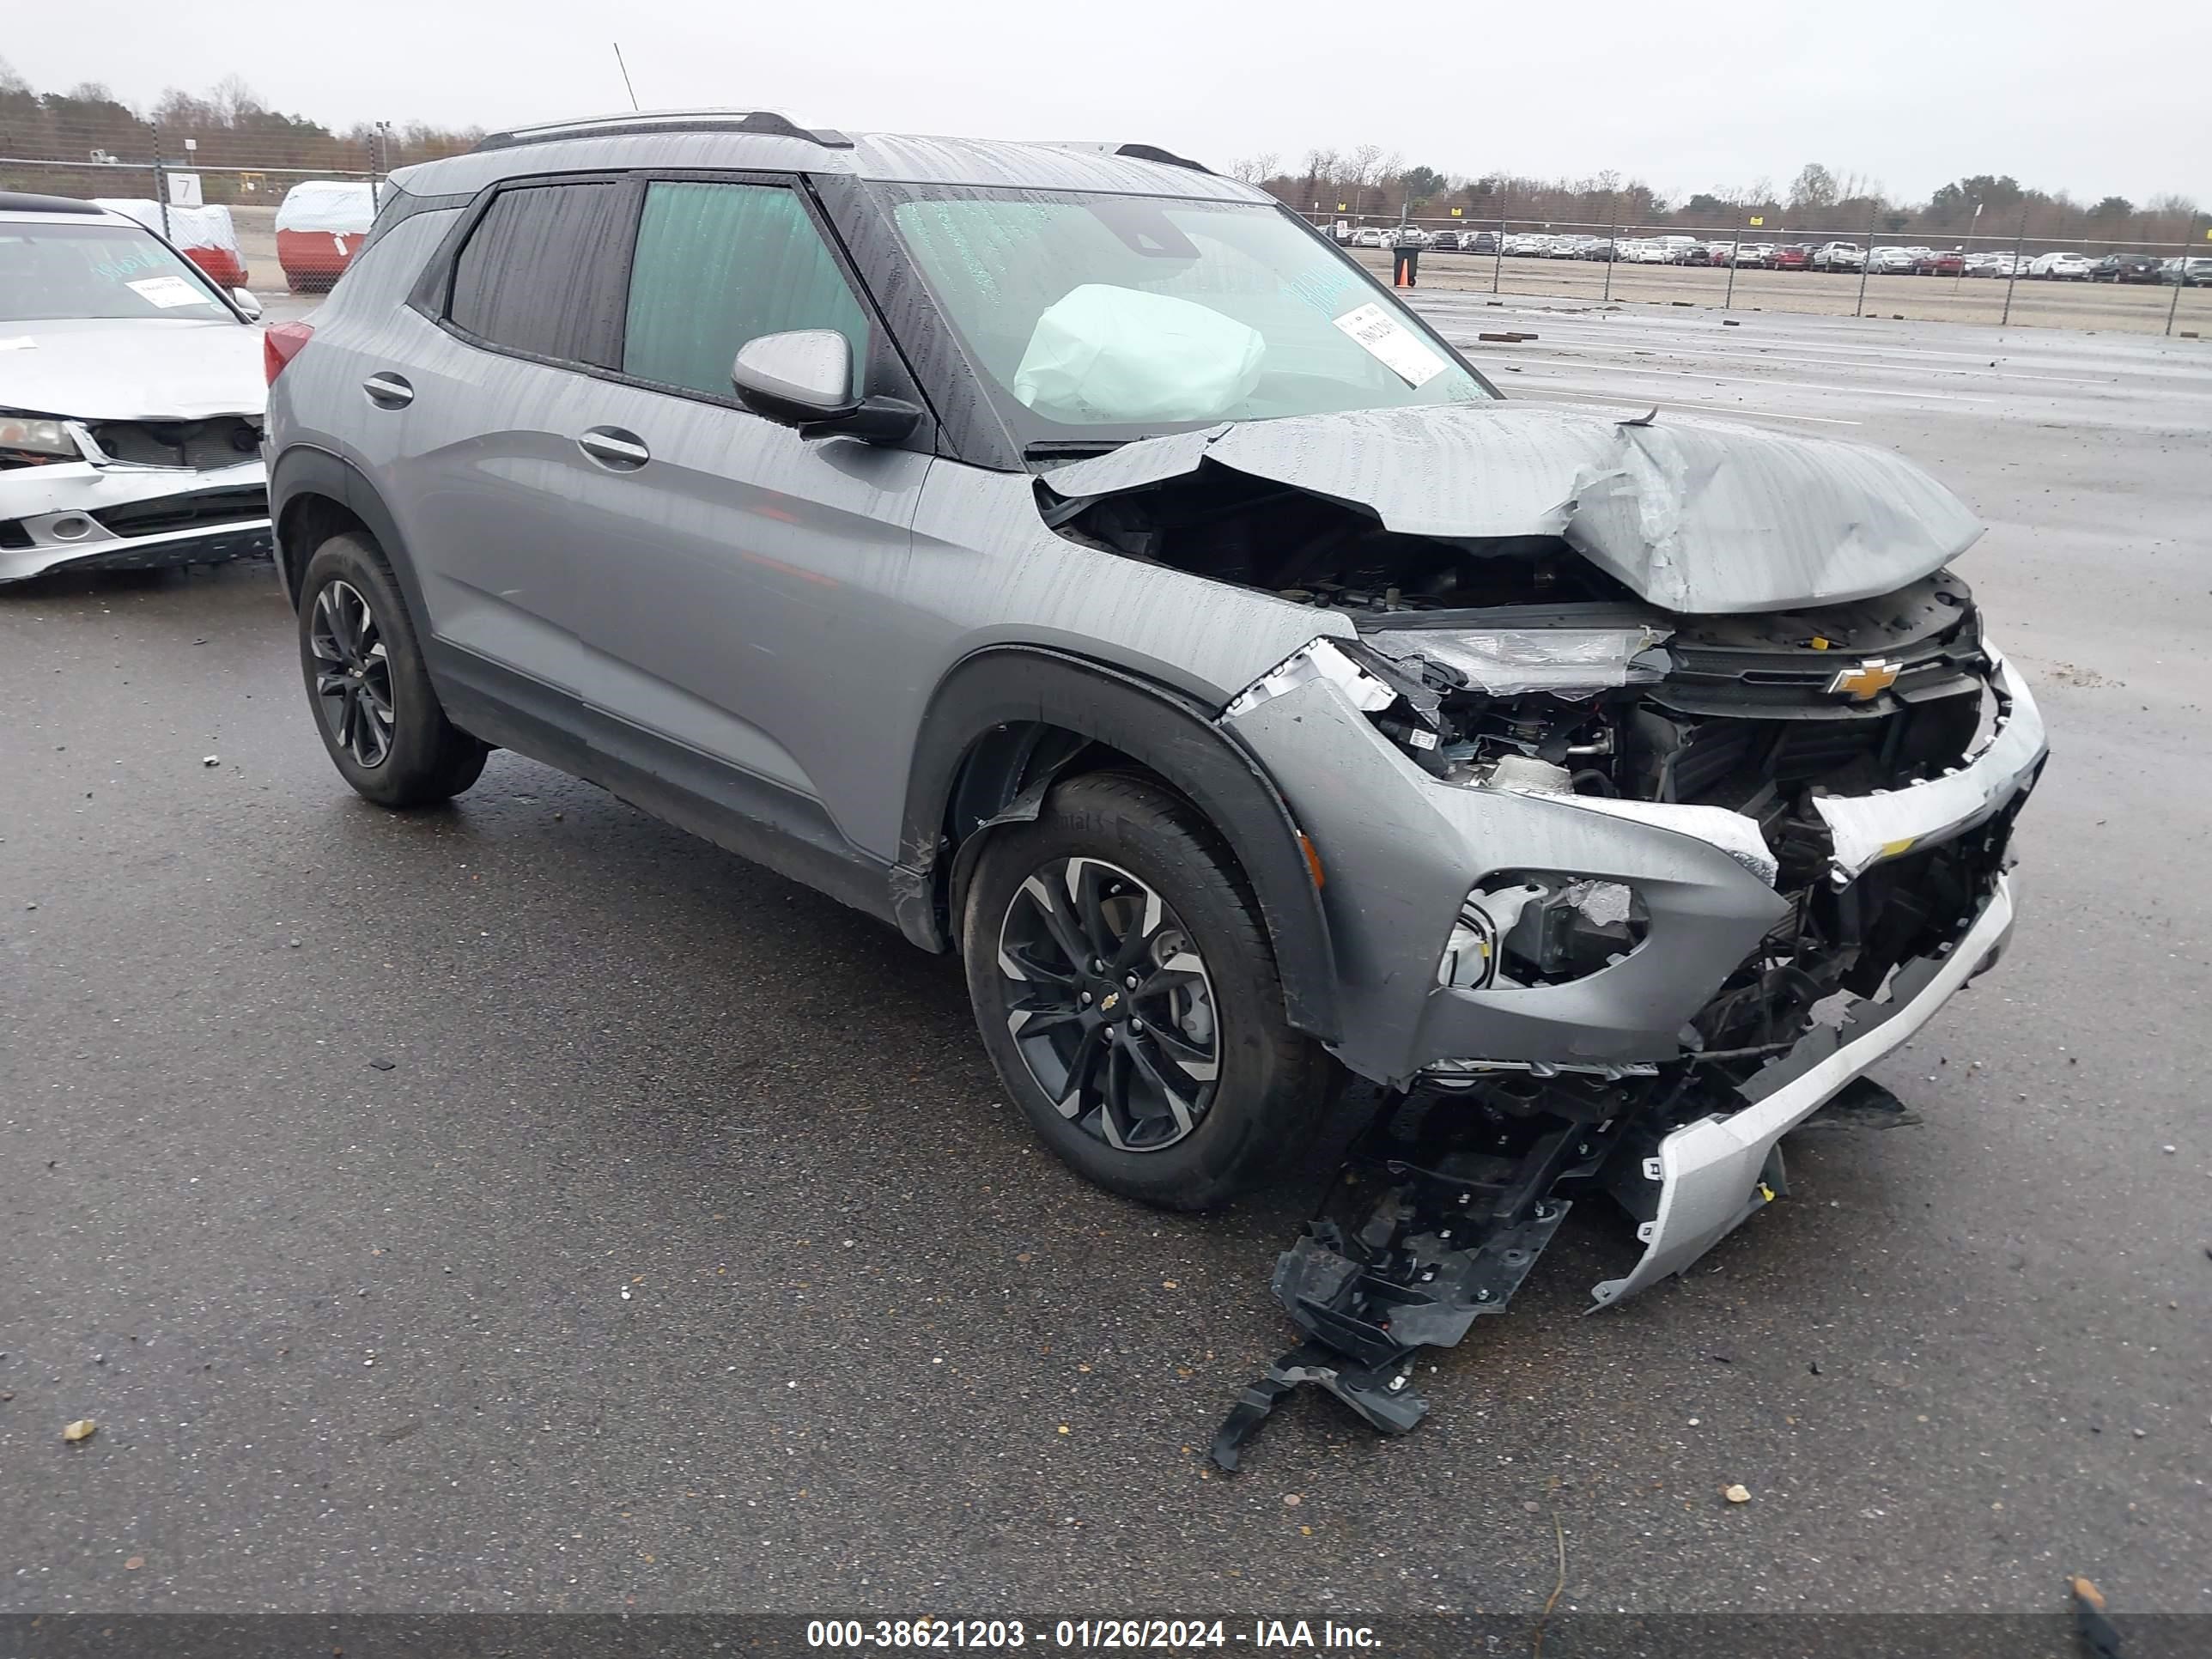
[1421, 1235]
[1427, 1230]
[1710, 1173]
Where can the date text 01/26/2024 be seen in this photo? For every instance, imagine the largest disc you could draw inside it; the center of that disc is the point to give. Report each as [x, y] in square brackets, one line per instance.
[1290, 1636]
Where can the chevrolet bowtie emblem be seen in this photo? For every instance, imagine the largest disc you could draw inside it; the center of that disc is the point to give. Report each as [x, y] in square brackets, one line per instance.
[1112, 1000]
[1864, 682]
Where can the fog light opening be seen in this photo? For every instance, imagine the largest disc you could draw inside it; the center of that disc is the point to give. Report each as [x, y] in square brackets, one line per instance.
[1526, 928]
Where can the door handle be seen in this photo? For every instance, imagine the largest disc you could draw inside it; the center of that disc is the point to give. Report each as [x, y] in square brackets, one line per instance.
[615, 448]
[388, 390]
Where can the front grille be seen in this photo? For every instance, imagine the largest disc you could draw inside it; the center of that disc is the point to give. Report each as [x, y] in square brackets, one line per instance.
[1741, 763]
[1750, 753]
[186, 511]
[203, 446]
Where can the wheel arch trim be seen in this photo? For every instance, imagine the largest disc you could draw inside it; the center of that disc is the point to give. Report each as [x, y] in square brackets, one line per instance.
[1007, 688]
[303, 472]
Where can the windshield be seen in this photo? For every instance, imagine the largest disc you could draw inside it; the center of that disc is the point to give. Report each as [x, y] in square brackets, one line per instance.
[49, 271]
[1107, 317]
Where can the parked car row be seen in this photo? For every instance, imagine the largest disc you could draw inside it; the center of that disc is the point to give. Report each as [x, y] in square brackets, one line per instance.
[2059, 265]
[1448, 241]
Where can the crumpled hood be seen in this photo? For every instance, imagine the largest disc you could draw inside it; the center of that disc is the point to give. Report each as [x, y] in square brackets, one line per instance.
[132, 369]
[1694, 515]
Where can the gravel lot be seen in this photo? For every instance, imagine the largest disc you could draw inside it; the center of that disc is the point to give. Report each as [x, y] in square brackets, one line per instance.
[525, 1206]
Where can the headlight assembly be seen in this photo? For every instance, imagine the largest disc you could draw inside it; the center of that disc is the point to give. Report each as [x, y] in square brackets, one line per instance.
[32, 435]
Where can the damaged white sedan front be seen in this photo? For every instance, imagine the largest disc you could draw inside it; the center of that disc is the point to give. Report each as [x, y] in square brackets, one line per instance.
[132, 392]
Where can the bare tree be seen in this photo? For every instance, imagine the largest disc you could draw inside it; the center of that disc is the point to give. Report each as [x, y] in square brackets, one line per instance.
[1814, 189]
[1322, 167]
[232, 97]
[1362, 168]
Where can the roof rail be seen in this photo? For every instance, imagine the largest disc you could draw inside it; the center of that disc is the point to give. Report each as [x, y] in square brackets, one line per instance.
[1165, 158]
[1135, 152]
[764, 122]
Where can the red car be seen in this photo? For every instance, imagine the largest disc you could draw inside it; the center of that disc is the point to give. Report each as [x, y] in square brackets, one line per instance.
[1791, 257]
[1949, 262]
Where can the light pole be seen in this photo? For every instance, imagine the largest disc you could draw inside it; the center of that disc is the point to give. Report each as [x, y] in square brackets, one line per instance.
[1971, 223]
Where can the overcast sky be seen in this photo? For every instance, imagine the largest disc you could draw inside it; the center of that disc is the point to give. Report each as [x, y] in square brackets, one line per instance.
[1686, 94]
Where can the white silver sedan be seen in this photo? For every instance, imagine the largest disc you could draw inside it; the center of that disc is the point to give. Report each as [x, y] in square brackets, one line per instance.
[132, 392]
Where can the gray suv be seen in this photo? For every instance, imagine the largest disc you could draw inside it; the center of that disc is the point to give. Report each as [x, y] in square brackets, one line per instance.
[1070, 557]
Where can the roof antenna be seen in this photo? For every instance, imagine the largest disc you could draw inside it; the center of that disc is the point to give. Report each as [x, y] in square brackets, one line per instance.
[624, 68]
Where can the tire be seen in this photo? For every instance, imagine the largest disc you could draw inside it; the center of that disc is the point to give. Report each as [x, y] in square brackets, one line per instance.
[1249, 1088]
[367, 686]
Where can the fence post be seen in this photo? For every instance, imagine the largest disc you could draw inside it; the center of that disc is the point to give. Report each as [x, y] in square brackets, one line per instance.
[2019, 241]
[2180, 281]
[1498, 254]
[161, 181]
[1611, 243]
[1866, 263]
[1728, 298]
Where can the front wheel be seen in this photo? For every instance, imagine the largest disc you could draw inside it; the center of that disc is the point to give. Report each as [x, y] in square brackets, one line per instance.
[367, 681]
[1127, 995]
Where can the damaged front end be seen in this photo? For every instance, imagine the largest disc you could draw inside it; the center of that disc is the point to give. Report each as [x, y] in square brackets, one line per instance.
[1697, 899]
[1639, 846]
[129, 494]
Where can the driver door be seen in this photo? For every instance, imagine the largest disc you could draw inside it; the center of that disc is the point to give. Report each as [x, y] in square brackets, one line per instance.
[744, 574]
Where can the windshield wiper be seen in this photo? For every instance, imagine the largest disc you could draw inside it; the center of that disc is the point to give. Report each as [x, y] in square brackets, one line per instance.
[1071, 449]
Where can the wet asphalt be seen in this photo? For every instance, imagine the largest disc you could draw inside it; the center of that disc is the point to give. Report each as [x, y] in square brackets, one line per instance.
[525, 1207]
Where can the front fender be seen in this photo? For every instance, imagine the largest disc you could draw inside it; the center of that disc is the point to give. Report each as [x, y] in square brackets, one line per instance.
[1009, 686]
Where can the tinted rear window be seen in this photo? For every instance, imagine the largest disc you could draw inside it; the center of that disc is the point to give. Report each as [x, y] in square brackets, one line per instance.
[543, 272]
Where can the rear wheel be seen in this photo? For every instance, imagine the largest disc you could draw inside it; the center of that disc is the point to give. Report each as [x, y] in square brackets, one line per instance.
[367, 681]
[1127, 995]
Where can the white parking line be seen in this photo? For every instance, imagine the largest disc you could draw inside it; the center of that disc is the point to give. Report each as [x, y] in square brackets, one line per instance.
[1869, 360]
[1582, 395]
[1776, 385]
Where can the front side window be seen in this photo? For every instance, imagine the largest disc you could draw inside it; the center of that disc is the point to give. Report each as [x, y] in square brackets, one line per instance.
[719, 265]
[97, 272]
[534, 276]
[1114, 317]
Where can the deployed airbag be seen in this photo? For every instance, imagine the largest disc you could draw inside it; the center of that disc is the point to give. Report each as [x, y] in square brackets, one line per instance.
[1115, 355]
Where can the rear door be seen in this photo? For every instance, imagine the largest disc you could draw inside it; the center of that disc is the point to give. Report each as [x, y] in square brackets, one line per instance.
[490, 488]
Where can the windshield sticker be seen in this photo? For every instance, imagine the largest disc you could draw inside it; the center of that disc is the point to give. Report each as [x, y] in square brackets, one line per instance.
[168, 291]
[1392, 345]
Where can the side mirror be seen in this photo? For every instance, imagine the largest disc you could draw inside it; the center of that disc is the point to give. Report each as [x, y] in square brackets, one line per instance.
[804, 378]
[245, 302]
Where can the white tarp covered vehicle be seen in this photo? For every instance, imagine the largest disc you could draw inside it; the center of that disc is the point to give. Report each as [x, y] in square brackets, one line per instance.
[321, 225]
[205, 235]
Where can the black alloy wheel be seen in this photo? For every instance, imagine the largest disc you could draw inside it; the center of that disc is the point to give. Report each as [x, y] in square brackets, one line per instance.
[353, 675]
[376, 708]
[1110, 1007]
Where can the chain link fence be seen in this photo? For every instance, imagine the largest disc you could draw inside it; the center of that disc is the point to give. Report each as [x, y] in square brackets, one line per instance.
[1846, 270]
[213, 187]
[103, 151]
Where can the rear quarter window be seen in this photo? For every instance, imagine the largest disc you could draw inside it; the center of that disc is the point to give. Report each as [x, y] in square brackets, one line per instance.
[542, 271]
